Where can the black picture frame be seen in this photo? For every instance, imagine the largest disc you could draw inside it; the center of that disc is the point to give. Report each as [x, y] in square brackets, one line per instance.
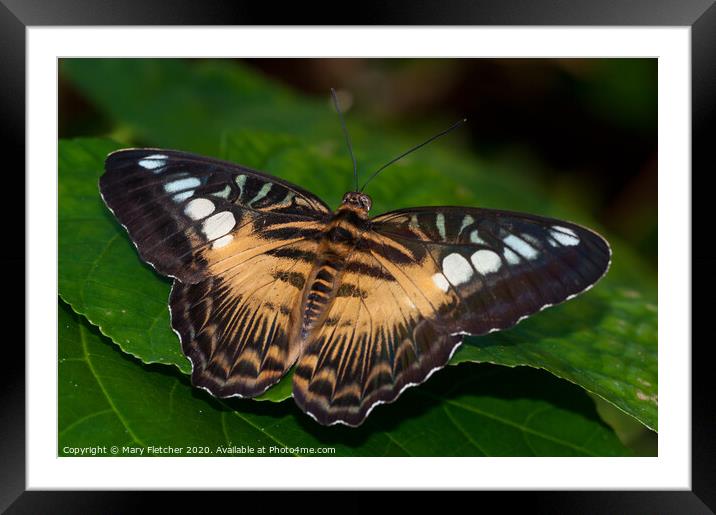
[17, 15]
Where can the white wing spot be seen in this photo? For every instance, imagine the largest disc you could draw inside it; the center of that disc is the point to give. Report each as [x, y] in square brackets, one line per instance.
[262, 193]
[181, 184]
[457, 269]
[475, 238]
[223, 193]
[564, 236]
[413, 225]
[511, 257]
[181, 197]
[240, 181]
[440, 222]
[286, 201]
[521, 247]
[531, 239]
[465, 222]
[153, 162]
[486, 261]
[199, 208]
[441, 282]
[566, 230]
[218, 225]
[222, 242]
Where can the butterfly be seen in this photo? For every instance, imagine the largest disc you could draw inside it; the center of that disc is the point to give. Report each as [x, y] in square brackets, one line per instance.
[267, 277]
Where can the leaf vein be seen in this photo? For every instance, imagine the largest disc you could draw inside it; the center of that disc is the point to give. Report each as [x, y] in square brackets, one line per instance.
[461, 429]
[512, 424]
[83, 419]
[83, 340]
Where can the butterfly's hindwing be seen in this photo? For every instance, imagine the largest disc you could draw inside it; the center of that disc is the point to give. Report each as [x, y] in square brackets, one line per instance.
[234, 325]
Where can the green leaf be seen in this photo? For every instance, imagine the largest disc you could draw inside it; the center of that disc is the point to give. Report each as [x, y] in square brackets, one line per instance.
[100, 273]
[605, 341]
[156, 100]
[109, 399]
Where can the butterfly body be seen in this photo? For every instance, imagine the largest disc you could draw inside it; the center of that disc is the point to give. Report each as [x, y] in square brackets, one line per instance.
[268, 278]
[337, 242]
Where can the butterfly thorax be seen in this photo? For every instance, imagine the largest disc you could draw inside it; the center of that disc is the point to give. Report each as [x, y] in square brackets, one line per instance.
[339, 239]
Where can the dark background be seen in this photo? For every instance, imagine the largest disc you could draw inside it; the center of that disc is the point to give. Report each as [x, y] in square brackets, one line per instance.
[576, 124]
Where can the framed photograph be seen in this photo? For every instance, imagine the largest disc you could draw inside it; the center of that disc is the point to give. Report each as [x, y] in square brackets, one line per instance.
[256, 262]
[418, 249]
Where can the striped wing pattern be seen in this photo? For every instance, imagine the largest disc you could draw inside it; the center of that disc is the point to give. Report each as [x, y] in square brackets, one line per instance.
[234, 325]
[419, 281]
[229, 236]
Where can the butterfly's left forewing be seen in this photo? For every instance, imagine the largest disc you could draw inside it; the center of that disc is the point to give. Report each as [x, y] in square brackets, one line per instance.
[240, 245]
[179, 207]
[420, 280]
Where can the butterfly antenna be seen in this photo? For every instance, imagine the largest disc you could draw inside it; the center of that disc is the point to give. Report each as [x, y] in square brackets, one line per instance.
[416, 147]
[345, 132]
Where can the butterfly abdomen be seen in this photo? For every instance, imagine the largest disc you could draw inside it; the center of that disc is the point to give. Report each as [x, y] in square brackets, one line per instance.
[319, 294]
[338, 240]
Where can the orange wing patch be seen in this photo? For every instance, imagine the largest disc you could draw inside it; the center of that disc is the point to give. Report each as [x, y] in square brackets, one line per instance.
[234, 325]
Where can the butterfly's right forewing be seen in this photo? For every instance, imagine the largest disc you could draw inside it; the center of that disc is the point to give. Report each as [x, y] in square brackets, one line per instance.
[240, 245]
[421, 279]
[502, 265]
